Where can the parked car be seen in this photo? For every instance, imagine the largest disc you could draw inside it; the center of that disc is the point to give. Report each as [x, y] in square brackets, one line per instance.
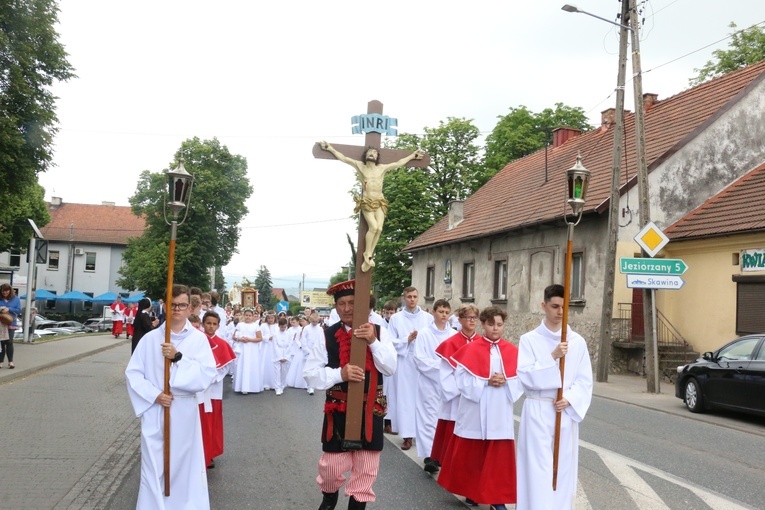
[36, 334]
[74, 326]
[40, 320]
[97, 324]
[732, 377]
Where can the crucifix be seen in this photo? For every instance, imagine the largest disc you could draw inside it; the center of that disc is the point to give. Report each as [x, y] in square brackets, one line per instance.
[371, 163]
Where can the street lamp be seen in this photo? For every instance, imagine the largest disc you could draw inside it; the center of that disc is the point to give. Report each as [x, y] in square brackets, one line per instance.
[574, 8]
[578, 179]
[179, 183]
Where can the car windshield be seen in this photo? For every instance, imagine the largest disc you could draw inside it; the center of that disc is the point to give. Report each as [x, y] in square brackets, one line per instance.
[741, 350]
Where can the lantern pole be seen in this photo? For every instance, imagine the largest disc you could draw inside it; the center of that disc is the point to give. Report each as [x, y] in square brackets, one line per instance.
[179, 183]
[578, 178]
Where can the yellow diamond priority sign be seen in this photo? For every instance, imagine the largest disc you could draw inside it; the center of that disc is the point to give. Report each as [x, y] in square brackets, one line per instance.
[651, 239]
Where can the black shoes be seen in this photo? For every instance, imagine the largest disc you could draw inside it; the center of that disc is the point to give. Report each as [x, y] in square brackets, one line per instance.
[329, 501]
[431, 466]
[356, 505]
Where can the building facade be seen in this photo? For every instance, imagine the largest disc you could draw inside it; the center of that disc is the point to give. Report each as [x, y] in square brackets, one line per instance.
[85, 247]
[507, 241]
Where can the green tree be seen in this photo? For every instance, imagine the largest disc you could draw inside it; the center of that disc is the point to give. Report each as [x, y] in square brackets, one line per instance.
[264, 285]
[521, 132]
[338, 277]
[455, 164]
[31, 60]
[209, 235]
[746, 47]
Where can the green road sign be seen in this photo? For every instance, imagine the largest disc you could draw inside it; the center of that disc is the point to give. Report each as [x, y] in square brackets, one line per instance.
[652, 266]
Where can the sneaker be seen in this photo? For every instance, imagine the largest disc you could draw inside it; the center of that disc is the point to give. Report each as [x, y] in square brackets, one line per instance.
[279, 392]
[267, 388]
[470, 502]
[310, 391]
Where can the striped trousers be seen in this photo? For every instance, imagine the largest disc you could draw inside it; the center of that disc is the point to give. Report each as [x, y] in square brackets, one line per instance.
[363, 466]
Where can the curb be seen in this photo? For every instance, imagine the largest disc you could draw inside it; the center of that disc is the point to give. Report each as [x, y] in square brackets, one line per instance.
[17, 374]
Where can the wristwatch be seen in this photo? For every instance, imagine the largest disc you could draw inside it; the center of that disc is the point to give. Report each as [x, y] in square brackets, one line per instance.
[177, 358]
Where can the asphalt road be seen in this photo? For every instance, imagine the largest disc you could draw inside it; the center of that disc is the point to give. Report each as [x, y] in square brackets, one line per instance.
[70, 441]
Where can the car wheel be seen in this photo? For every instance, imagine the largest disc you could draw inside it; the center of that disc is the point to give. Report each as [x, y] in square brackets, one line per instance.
[693, 398]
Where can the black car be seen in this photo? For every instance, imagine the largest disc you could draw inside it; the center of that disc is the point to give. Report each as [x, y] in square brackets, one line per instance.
[732, 377]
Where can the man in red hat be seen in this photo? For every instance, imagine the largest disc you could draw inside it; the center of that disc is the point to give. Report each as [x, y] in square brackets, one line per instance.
[328, 367]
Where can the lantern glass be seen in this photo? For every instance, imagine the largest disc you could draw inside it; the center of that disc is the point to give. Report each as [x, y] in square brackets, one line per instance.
[578, 180]
[179, 183]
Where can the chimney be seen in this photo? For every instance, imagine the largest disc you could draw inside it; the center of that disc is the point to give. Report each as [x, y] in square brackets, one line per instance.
[562, 134]
[455, 212]
[104, 202]
[55, 201]
[649, 100]
[607, 118]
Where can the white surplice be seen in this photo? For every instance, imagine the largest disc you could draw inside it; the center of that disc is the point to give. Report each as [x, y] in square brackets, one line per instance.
[193, 373]
[428, 402]
[540, 375]
[298, 354]
[403, 414]
[486, 412]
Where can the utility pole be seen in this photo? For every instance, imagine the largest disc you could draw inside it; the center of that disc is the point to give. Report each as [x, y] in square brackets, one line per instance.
[651, 356]
[606, 318]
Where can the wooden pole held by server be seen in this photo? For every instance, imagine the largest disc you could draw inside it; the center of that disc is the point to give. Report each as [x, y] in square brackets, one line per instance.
[166, 389]
[564, 328]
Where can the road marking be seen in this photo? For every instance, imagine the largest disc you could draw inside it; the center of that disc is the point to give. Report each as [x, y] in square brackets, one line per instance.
[637, 488]
[623, 469]
[614, 459]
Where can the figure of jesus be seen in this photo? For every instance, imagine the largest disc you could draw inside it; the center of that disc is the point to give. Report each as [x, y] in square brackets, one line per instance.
[372, 204]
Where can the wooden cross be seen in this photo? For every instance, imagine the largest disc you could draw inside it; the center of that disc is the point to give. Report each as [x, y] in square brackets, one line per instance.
[363, 287]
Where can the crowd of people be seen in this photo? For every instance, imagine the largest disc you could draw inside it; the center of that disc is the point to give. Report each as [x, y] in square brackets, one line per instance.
[429, 377]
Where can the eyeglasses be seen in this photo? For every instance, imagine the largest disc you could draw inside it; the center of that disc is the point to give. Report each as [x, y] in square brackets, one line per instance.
[471, 318]
[179, 306]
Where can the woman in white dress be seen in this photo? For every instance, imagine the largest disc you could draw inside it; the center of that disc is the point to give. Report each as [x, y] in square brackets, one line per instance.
[268, 330]
[249, 363]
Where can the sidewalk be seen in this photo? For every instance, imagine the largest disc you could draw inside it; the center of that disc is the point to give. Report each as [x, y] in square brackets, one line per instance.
[33, 357]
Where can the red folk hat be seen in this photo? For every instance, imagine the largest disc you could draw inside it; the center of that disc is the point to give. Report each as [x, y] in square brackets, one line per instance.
[342, 289]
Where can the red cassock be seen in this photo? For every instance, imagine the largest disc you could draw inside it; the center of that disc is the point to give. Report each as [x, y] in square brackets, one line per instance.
[445, 428]
[117, 324]
[483, 469]
[129, 319]
[212, 423]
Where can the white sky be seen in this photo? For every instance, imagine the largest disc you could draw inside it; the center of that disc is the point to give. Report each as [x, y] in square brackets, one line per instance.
[269, 79]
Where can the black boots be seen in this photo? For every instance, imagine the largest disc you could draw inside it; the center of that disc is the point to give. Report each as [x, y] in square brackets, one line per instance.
[356, 505]
[329, 501]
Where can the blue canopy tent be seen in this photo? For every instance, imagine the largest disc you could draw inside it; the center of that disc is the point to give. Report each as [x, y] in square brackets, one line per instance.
[134, 298]
[41, 294]
[106, 297]
[74, 295]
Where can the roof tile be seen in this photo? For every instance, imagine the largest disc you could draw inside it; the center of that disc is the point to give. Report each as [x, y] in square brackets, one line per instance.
[728, 212]
[88, 223]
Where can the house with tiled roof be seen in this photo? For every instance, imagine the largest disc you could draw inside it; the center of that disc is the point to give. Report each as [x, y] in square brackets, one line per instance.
[85, 247]
[723, 241]
[505, 243]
